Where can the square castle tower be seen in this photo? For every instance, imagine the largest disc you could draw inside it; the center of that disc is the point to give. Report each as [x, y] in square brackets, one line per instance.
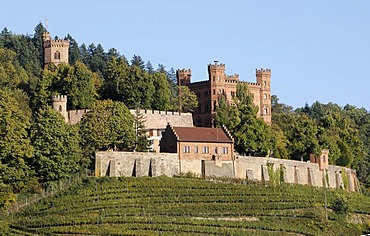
[55, 51]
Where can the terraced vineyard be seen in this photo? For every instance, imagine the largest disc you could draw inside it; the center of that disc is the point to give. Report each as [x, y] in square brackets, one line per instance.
[184, 206]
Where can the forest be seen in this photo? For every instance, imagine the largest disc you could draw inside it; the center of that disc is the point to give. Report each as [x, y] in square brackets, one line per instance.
[37, 146]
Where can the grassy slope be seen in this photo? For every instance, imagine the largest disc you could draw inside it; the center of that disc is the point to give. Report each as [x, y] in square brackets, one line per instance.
[181, 206]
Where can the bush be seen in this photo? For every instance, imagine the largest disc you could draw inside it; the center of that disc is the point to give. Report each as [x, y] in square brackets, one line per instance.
[340, 204]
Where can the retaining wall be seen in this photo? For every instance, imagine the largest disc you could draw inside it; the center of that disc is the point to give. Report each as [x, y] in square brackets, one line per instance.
[250, 168]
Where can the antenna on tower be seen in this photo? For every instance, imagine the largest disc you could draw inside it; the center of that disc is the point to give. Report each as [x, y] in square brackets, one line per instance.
[46, 23]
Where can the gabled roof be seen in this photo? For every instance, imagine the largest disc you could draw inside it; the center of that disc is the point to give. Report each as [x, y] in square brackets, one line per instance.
[201, 134]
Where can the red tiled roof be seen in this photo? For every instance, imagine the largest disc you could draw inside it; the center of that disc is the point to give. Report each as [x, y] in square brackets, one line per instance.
[201, 134]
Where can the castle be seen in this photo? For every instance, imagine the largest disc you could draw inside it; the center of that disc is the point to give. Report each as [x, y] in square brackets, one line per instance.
[55, 51]
[220, 85]
[316, 173]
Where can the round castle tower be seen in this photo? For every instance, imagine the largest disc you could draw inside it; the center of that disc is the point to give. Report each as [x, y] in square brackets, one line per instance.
[59, 103]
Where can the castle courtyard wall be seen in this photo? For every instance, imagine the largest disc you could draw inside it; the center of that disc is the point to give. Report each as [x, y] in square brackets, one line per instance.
[244, 167]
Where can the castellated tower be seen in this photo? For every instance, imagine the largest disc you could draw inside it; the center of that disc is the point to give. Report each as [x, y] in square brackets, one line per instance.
[55, 51]
[60, 105]
[183, 77]
[263, 77]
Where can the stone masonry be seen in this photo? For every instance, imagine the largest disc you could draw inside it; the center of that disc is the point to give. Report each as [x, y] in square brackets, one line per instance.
[250, 168]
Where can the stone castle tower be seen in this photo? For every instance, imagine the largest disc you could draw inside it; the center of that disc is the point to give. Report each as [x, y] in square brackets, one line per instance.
[59, 103]
[220, 85]
[55, 51]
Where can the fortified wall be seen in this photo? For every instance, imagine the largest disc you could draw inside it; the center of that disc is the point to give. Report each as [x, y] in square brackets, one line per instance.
[251, 168]
[155, 119]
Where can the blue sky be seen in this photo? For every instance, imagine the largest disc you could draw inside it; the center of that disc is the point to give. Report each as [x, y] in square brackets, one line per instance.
[318, 50]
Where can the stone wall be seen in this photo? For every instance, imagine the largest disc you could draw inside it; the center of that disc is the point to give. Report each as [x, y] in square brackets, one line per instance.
[155, 119]
[136, 164]
[75, 116]
[250, 168]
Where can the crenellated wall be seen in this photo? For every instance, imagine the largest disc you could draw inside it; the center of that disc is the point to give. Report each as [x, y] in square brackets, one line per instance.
[250, 168]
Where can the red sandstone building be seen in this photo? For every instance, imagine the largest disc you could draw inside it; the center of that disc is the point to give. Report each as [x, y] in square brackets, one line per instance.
[198, 143]
[219, 85]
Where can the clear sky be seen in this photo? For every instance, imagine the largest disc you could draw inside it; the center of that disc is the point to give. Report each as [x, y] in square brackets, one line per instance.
[318, 50]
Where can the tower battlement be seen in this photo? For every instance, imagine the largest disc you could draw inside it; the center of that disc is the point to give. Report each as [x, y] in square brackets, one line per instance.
[263, 71]
[55, 51]
[216, 65]
[59, 98]
[184, 71]
[183, 77]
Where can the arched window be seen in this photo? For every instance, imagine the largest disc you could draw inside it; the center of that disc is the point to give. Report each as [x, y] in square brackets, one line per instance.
[60, 108]
[57, 55]
[265, 111]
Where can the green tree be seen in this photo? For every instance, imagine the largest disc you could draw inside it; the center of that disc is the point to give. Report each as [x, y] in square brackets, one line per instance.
[251, 134]
[187, 99]
[149, 67]
[73, 50]
[37, 42]
[162, 92]
[56, 143]
[83, 92]
[138, 61]
[15, 145]
[12, 75]
[108, 125]
[141, 138]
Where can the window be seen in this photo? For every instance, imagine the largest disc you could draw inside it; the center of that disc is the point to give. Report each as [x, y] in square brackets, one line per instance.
[225, 150]
[214, 79]
[205, 149]
[214, 91]
[60, 108]
[218, 78]
[265, 111]
[57, 55]
[219, 91]
[264, 83]
[196, 149]
[265, 96]
[216, 150]
[186, 149]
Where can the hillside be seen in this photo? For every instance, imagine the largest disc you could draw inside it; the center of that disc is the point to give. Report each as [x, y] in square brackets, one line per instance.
[183, 206]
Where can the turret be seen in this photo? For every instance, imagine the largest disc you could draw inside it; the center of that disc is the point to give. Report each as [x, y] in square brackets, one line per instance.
[216, 72]
[183, 77]
[263, 77]
[59, 103]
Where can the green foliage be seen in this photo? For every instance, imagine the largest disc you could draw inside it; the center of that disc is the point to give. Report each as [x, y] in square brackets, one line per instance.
[345, 179]
[185, 206]
[187, 99]
[162, 93]
[141, 138]
[15, 146]
[108, 125]
[12, 75]
[251, 134]
[340, 204]
[56, 143]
